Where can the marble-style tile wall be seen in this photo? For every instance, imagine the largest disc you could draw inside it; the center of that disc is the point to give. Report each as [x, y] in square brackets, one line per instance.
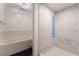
[17, 20]
[45, 28]
[67, 26]
[16, 36]
[69, 45]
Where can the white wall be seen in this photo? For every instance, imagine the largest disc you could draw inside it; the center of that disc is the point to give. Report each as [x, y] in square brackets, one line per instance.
[1, 16]
[68, 24]
[14, 20]
[14, 23]
[2, 20]
[17, 20]
[45, 28]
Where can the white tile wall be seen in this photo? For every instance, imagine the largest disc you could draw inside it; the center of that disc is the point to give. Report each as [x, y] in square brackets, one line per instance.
[45, 28]
[68, 29]
[18, 20]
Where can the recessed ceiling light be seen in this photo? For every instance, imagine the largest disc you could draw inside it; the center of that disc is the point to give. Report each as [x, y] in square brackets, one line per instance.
[25, 5]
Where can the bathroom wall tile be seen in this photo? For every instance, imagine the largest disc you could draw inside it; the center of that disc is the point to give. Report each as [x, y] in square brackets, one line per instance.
[69, 45]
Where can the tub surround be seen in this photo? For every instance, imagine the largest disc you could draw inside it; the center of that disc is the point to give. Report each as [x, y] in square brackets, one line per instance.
[67, 26]
[14, 42]
[68, 45]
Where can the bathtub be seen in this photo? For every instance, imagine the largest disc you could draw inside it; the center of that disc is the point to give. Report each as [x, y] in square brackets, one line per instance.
[15, 41]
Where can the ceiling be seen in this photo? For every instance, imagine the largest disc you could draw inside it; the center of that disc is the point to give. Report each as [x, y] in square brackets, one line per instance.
[58, 6]
[21, 6]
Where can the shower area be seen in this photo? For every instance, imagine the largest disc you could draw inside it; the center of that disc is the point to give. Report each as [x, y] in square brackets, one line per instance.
[58, 29]
[16, 27]
[49, 29]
